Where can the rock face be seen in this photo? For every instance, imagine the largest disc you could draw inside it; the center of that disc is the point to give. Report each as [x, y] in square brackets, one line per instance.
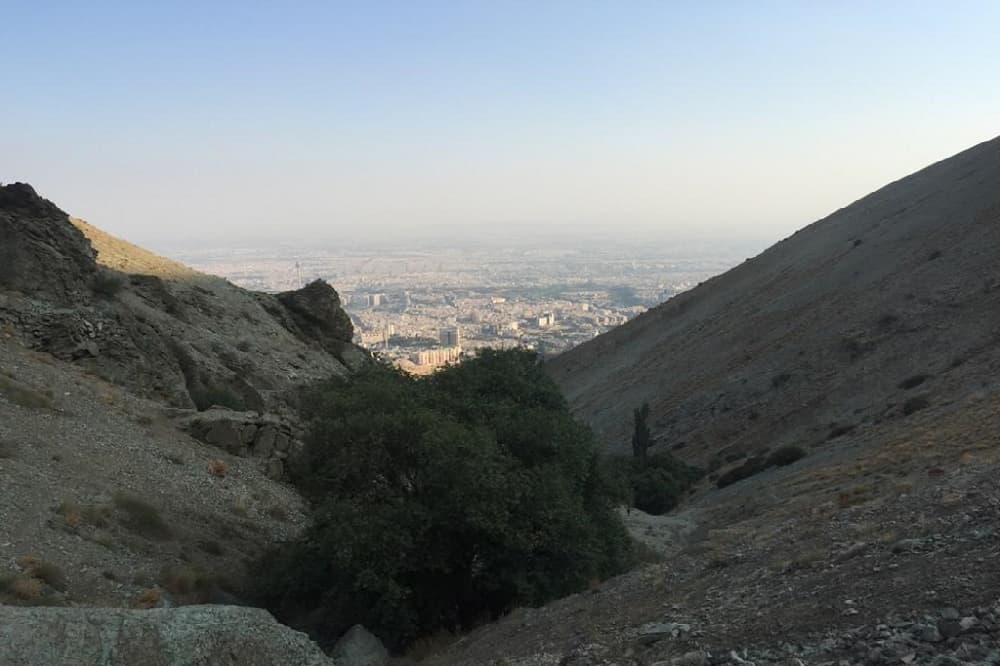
[40, 252]
[188, 636]
[315, 315]
[158, 328]
[885, 307]
[247, 434]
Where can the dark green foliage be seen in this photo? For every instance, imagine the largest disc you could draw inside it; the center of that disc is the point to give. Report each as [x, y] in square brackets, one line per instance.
[654, 485]
[780, 457]
[641, 438]
[785, 455]
[443, 501]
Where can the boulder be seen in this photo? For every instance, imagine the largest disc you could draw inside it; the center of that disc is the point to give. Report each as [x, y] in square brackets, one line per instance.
[316, 316]
[359, 647]
[263, 444]
[186, 636]
[40, 251]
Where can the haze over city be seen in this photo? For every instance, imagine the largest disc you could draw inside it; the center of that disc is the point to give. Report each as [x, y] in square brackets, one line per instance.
[234, 125]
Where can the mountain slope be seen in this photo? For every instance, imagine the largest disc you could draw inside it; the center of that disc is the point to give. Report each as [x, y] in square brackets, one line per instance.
[828, 332]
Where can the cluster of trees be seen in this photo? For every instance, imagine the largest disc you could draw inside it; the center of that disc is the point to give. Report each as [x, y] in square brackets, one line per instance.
[443, 501]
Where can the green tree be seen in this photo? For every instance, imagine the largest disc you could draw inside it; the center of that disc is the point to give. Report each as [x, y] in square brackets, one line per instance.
[641, 438]
[443, 501]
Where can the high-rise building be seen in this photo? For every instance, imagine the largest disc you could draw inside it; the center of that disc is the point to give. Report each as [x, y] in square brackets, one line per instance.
[450, 337]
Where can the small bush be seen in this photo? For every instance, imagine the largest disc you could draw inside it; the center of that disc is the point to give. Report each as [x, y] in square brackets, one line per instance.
[779, 380]
[22, 395]
[744, 471]
[840, 430]
[218, 468]
[7, 450]
[142, 517]
[50, 574]
[785, 455]
[26, 588]
[915, 405]
[913, 382]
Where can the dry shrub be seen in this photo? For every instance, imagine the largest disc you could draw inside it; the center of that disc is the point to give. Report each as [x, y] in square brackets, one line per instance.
[142, 517]
[217, 468]
[148, 598]
[22, 395]
[27, 588]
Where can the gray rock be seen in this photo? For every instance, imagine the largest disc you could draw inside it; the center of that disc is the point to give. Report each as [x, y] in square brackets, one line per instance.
[187, 636]
[927, 633]
[248, 433]
[282, 442]
[226, 435]
[657, 631]
[263, 444]
[359, 647]
[274, 469]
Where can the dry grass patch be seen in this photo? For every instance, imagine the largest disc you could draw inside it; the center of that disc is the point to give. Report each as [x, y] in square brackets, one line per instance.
[141, 516]
[23, 395]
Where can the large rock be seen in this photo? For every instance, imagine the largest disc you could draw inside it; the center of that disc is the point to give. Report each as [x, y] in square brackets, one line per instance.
[315, 315]
[187, 636]
[359, 647]
[40, 252]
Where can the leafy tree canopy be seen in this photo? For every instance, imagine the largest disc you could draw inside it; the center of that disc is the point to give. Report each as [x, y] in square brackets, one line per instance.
[443, 501]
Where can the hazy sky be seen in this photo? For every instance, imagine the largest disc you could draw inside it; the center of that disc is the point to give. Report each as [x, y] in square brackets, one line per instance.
[264, 120]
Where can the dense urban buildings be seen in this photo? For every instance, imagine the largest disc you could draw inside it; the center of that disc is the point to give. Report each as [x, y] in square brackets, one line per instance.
[424, 307]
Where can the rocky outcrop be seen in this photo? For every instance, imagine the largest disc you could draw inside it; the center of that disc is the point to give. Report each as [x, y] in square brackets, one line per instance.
[269, 439]
[314, 314]
[165, 332]
[359, 647]
[40, 252]
[188, 636]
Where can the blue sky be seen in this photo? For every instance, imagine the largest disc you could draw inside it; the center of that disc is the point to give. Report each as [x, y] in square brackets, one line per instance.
[267, 120]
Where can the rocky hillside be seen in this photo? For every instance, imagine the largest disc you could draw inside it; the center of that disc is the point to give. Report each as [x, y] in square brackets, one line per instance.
[885, 307]
[153, 326]
[870, 341]
[146, 420]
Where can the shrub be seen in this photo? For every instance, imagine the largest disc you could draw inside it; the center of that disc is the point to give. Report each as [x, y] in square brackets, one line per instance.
[915, 405]
[744, 471]
[217, 468]
[142, 517]
[913, 382]
[22, 395]
[443, 501]
[785, 455]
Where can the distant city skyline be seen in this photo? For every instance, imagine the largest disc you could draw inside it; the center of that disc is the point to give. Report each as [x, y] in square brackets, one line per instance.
[194, 123]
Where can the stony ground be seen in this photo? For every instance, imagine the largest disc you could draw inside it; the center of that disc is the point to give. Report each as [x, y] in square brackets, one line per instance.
[103, 501]
[880, 550]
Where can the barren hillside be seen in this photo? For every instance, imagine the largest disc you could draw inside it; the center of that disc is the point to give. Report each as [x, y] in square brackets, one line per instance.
[893, 300]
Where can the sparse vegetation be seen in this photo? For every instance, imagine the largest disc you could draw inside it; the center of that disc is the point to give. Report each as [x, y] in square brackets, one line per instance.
[22, 395]
[785, 455]
[218, 468]
[142, 517]
[915, 404]
[913, 382]
[744, 471]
